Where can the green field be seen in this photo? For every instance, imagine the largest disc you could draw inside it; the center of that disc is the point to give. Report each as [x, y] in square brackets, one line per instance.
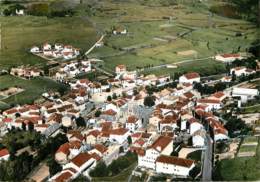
[239, 168]
[19, 34]
[32, 89]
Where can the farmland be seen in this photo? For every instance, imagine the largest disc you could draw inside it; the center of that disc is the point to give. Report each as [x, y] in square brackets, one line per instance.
[241, 168]
[32, 89]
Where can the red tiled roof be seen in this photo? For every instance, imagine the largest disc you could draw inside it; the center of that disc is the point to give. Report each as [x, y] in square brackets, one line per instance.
[95, 156]
[119, 131]
[64, 148]
[4, 152]
[64, 177]
[192, 75]
[161, 143]
[132, 119]
[7, 120]
[101, 148]
[210, 101]
[81, 159]
[110, 112]
[11, 111]
[95, 133]
[218, 94]
[230, 55]
[175, 161]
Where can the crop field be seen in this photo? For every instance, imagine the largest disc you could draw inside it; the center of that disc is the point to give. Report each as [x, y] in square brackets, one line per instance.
[155, 39]
[32, 89]
[19, 34]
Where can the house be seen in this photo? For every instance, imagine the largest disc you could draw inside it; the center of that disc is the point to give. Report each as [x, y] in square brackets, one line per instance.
[35, 49]
[120, 69]
[220, 96]
[239, 71]
[62, 154]
[46, 47]
[211, 104]
[198, 138]
[189, 78]
[65, 175]
[92, 137]
[226, 79]
[228, 58]
[19, 12]
[244, 94]
[163, 145]
[119, 30]
[119, 135]
[174, 165]
[133, 123]
[81, 163]
[4, 154]
[194, 125]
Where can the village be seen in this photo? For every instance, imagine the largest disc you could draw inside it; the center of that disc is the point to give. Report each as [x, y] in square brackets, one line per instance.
[156, 121]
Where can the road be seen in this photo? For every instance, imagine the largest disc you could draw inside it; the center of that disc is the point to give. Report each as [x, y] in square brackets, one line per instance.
[207, 160]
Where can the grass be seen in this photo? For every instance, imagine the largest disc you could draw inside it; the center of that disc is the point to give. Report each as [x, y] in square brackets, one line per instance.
[32, 88]
[240, 168]
[245, 148]
[123, 176]
[251, 139]
[19, 34]
[196, 155]
[252, 109]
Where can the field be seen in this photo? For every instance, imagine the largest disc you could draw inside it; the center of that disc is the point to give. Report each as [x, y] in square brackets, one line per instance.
[19, 34]
[153, 39]
[240, 168]
[32, 89]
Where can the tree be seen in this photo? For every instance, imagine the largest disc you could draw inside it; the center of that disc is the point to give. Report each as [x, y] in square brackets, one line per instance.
[114, 96]
[195, 171]
[109, 98]
[129, 140]
[54, 167]
[7, 12]
[97, 113]
[23, 126]
[149, 101]
[100, 170]
[80, 121]
[30, 126]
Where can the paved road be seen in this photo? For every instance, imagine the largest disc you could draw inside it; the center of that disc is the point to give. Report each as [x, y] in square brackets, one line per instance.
[207, 163]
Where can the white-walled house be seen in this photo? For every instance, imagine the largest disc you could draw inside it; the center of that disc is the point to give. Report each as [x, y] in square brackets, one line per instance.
[35, 49]
[174, 165]
[244, 93]
[211, 104]
[119, 135]
[189, 78]
[133, 123]
[239, 71]
[162, 145]
[228, 58]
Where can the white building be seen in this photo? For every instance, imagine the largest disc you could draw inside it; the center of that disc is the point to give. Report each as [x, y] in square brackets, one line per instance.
[174, 165]
[210, 103]
[245, 94]
[189, 78]
[119, 135]
[163, 145]
[133, 123]
[239, 71]
[228, 58]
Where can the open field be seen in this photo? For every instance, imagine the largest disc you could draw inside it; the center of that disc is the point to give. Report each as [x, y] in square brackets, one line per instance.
[240, 168]
[32, 89]
[19, 34]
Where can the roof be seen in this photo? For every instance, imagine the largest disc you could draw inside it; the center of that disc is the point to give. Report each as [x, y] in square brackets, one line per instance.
[119, 131]
[175, 161]
[4, 152]
[192, 75]
[132, 119]
[81, 159]
[64, 177]
[218, 94]
[110, 112]
[94, 133]
[188, 95]
[161, 143]
[121, 66]
[210, 101]
[101, 148]
[230, 55]
[64, 148]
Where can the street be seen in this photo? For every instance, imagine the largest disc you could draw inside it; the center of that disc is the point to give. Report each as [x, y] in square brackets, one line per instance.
[207, 162]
